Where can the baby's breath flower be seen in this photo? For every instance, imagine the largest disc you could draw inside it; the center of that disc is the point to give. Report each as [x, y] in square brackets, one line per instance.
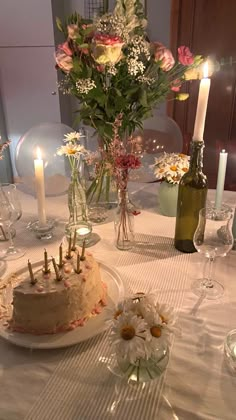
[65, 85]
[112, 25]
[135, 67]
[112, 70]
[146, 80]
[139, 48]
[83, 86]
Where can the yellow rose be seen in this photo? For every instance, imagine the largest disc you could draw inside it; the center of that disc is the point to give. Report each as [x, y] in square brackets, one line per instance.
[107, 49]
[192, 74]
[182, 96]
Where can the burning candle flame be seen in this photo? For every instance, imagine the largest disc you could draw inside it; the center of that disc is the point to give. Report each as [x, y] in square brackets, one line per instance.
[38, 153]
[205, 70]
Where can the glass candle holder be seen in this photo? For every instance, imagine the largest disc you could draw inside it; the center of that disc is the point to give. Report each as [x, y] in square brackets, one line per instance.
[43, 232]
[230, 349]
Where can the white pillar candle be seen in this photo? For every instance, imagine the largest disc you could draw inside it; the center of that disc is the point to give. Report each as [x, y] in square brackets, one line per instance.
[40, 188]
[221, 178]
[202, 105]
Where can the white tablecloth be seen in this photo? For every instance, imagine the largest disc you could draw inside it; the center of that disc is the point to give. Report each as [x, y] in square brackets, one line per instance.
[75, 383]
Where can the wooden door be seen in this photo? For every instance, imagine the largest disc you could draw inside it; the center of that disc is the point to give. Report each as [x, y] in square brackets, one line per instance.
[208, 28]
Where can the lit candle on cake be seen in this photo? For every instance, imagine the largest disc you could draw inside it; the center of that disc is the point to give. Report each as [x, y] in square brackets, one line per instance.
[203, 95]
[40, 188]
[221, 178]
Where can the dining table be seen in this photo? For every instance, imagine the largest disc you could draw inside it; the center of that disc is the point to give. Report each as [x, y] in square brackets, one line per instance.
[74, 383]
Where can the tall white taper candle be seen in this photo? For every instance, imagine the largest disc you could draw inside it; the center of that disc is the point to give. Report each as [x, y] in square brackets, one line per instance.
[40, 188]
[221, 178]
[202, 105]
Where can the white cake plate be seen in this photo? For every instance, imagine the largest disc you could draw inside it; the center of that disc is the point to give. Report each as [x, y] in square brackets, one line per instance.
[93, 326]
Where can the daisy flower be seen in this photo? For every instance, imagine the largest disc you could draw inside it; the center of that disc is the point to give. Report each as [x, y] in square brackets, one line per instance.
[166, 313]
[71, 149]
[72, 136]
[171, 167]
[129, 337]
[125, 306]
[157, 331]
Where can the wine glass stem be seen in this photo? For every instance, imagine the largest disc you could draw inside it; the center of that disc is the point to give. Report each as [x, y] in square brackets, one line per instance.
[11, 247]
[208, 278]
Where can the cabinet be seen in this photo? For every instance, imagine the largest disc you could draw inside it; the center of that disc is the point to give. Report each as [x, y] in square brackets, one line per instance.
[28, 78]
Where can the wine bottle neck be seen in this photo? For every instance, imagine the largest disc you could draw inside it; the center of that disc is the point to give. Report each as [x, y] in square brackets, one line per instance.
[196, 160]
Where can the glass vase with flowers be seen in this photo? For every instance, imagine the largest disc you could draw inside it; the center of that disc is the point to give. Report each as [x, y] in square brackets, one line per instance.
[78, 224]
[140, 337]
[169, 169]
[122, 162]
[112, 68]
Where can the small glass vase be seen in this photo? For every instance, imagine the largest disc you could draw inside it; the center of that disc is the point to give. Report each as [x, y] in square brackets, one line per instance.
[101, 197]
[124, 222]
[101, 186]
[168, 197]
[78, 210]
[143, 370]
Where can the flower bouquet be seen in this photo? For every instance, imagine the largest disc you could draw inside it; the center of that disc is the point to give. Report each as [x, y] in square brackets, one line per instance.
[113, 69]
[140, 334]
[169, 168]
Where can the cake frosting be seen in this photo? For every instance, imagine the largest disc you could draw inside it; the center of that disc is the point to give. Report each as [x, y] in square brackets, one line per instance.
[51, 305]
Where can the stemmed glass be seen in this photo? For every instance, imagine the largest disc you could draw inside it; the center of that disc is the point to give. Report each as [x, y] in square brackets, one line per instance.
[212, 238]
[10, 212]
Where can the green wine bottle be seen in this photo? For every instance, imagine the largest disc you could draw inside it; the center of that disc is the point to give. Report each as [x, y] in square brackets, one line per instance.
[191, 199]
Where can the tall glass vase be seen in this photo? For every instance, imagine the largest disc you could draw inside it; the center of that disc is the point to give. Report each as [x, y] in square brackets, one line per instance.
[101, 189]
[124, 222]
[78, 210]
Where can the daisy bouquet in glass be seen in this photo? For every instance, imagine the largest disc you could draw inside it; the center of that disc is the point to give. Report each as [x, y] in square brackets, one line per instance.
[75, 153]
[72, 149]
[140, 333]
[170, 167]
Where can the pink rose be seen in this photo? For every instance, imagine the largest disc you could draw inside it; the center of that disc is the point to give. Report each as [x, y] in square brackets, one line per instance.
[65, 48]
[185, 56]
[163, 54]
[176, 85]
[106, 39]
[73, 31]
[83, 50]
[100, 68]
[64, 61]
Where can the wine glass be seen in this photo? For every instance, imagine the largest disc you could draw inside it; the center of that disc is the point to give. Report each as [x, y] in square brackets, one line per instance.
[212, 238]
[10, 212]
